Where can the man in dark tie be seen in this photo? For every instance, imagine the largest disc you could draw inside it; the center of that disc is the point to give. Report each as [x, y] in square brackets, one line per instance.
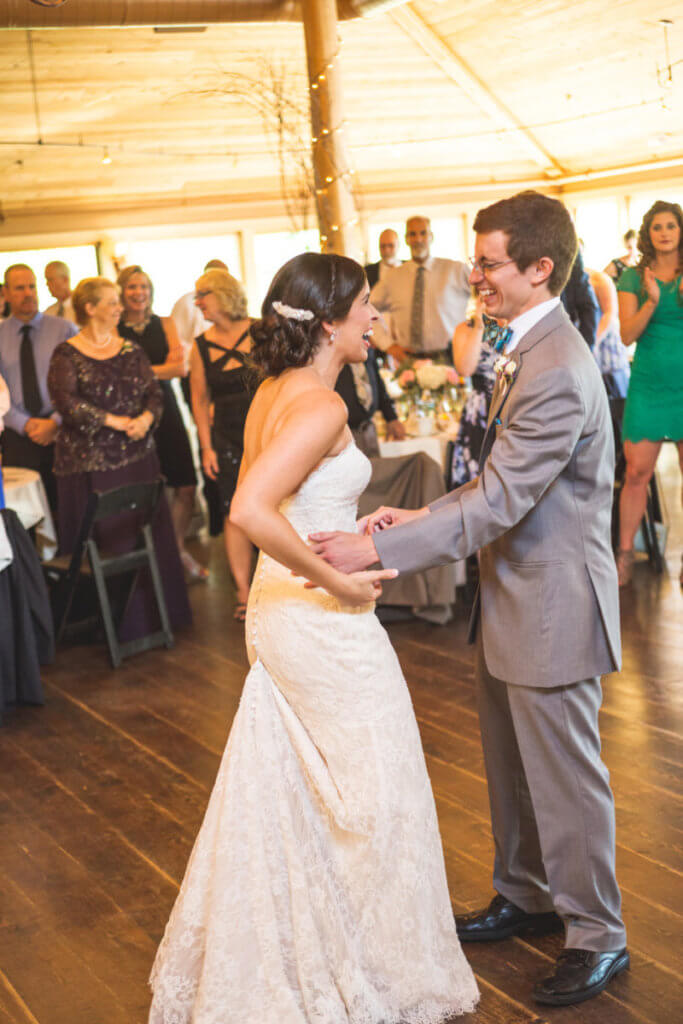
[27, 341]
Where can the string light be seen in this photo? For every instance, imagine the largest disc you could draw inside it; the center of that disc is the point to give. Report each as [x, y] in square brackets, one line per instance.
[106, 159]
[321, 76]
[325, 134]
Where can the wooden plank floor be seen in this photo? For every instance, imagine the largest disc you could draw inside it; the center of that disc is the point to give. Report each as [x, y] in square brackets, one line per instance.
[103, 790]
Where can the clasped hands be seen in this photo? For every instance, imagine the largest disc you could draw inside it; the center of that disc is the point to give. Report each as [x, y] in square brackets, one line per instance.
[136, 427]
[353, 552]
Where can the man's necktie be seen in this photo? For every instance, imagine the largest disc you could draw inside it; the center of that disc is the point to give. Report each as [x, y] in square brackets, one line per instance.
[494, 335]
[60, 309]
[33, 403]
[417, 311]
[362, 384]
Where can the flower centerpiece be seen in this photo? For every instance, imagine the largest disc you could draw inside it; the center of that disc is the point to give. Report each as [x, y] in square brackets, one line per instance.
[422, 387]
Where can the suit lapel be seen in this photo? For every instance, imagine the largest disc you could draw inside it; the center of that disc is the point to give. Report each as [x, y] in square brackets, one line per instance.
[548, 323]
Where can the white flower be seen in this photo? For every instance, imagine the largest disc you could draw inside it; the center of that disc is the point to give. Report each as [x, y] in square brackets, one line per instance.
[505, 367]
[291, 313]
[432, 376]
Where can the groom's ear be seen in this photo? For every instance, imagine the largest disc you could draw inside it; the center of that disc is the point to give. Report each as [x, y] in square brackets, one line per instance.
[544, 268]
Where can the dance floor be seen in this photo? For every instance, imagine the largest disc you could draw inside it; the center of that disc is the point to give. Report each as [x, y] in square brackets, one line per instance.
[103, 790]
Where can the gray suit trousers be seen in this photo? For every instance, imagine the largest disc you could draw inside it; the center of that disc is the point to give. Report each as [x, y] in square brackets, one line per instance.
[552, 810]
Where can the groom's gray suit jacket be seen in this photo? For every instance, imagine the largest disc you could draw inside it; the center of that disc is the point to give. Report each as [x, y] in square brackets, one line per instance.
[540, 514]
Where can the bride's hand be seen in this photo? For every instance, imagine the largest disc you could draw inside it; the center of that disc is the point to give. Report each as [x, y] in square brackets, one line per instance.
[362, 587]
[386, 517]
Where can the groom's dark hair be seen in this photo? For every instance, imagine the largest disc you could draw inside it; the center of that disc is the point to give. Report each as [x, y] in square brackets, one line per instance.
[536, 226]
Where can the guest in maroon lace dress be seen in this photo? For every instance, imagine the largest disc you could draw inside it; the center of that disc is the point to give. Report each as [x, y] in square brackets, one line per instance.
[109, 401]
[158, 338]
[219, 379]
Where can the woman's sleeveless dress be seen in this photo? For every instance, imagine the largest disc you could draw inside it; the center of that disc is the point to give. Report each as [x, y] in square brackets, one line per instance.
[231, 396]
[316, 891]
[172, 442]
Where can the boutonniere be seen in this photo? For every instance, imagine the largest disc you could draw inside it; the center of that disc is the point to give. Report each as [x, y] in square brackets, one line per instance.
[506, 369]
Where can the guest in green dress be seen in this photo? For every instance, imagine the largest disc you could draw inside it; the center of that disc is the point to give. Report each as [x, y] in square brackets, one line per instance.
[651, 314]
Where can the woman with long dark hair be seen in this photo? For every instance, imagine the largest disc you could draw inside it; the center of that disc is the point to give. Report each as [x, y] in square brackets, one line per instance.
[316, 890]
[651, 314]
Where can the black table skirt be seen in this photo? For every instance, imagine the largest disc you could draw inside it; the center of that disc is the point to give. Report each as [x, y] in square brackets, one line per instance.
[26, 629]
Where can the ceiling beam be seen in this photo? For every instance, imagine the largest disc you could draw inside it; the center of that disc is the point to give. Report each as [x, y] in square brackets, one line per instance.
[453, 65]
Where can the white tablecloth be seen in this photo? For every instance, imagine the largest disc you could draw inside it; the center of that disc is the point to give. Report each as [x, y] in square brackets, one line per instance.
[436, 446]
[25, 494]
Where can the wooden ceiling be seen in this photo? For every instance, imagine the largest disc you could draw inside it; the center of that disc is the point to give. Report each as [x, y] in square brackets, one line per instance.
[440, 97]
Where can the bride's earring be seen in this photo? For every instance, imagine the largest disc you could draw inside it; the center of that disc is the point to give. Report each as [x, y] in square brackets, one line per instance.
[333, 335]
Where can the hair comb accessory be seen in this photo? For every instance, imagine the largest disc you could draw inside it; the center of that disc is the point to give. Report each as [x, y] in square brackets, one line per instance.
[291, 313]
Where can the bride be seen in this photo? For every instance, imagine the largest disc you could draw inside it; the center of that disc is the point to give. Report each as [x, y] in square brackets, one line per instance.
[316, 891]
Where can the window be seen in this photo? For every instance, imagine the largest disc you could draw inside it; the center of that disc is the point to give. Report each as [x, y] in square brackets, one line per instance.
[80, 259]
[598, 224]
[273, 249]
[174, 264]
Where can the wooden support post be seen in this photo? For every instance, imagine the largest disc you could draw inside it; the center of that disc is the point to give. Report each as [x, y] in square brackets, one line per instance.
[337, 217]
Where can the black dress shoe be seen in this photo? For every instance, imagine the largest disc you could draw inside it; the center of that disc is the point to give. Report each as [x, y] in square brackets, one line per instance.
[501, 919]
[580, 974]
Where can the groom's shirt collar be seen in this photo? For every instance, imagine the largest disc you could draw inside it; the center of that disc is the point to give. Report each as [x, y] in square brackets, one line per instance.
[521, 325]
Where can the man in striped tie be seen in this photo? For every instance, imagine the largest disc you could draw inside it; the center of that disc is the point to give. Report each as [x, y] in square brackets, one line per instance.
[426, 297]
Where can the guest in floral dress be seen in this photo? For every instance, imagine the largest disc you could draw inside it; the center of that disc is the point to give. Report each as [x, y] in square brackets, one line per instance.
[472, 357]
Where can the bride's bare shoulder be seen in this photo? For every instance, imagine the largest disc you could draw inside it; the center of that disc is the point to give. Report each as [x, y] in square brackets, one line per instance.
[294, 391]
[296, 401]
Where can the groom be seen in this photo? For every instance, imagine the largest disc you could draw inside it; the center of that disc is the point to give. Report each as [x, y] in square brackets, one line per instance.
[546, 618]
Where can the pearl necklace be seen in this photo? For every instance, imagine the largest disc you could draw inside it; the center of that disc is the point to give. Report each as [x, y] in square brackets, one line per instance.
[99, 344]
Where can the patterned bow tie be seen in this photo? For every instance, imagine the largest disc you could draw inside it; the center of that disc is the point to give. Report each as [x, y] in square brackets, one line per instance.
[494, 335]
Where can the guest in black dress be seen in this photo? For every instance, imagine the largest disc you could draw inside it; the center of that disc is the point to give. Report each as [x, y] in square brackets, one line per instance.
[158, 338]
[109, 401]
[219, 379]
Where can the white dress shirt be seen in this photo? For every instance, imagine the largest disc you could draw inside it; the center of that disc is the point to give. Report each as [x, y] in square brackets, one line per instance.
[4, 402]
[447, 293]
[67, 310]
[522, 324]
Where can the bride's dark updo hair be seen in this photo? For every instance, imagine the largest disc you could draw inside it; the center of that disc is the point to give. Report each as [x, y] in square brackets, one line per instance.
[321, 283]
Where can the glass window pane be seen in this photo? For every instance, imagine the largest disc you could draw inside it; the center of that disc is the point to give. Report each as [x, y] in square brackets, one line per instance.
[174, 264]
[80, 259]
[597, 223]
[275, 248]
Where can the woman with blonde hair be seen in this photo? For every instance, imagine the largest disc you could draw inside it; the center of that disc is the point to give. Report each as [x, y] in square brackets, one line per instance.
[158, 337]
[219, 383]
[109, 401]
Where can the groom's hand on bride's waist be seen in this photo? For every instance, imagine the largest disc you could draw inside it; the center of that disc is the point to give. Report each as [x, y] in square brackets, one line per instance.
[347, 552]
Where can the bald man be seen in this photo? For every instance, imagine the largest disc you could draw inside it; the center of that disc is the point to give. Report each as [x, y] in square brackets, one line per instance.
[388, 250]
[58, 280]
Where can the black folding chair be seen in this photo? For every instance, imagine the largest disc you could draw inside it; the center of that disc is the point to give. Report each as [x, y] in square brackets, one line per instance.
[66, 573]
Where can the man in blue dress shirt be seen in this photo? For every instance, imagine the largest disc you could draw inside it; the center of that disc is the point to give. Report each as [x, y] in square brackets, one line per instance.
[27, 341]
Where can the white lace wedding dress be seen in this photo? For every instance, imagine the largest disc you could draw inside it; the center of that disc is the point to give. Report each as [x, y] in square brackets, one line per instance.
[316, 890]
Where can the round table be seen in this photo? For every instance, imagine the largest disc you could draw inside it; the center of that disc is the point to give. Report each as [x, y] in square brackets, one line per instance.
[25, 494]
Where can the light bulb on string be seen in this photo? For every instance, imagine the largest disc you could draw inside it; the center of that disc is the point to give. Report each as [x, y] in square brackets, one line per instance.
[106, 159]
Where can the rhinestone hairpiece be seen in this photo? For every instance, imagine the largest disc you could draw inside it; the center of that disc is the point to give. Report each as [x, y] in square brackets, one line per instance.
[291, 313]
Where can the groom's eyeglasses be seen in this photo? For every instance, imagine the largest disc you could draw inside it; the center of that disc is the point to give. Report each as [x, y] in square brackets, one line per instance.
[486, 266]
